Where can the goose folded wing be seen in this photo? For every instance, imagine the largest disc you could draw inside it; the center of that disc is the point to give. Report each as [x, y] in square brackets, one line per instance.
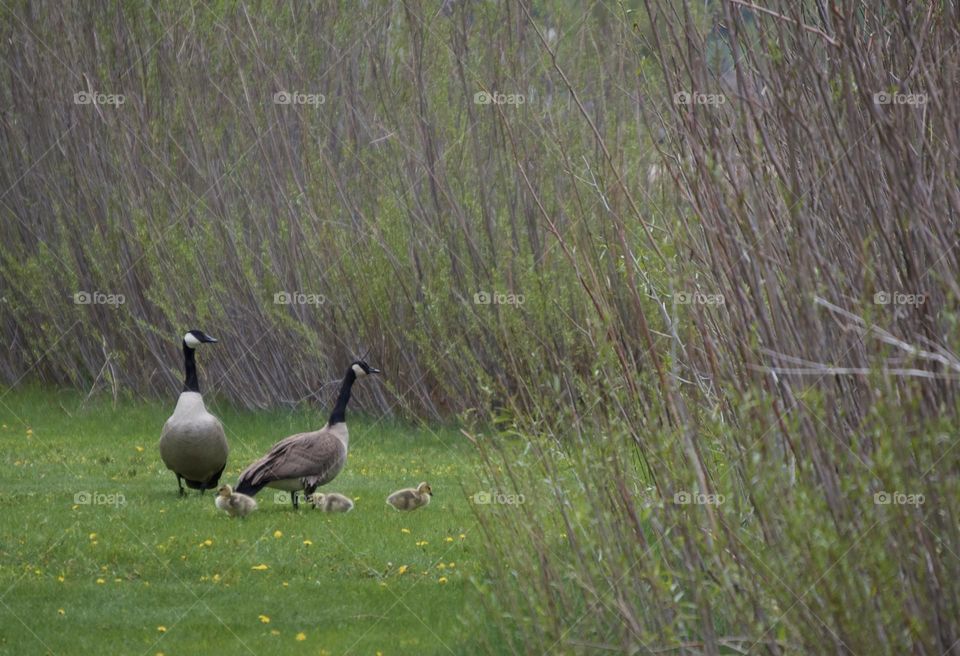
[298, 456]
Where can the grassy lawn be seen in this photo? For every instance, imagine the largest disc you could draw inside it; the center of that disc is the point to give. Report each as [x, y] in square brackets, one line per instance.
[140, 571]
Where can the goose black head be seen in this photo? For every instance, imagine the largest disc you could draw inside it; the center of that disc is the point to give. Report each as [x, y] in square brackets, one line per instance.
[195, 338]
[361, 368]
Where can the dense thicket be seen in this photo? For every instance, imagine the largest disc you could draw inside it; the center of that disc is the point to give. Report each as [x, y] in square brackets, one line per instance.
[706, 271]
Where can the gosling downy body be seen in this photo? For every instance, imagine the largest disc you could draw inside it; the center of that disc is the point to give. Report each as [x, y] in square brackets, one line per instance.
[306, 461]
[192, 443]
[411, 498]
[234, 503]
[331, 502]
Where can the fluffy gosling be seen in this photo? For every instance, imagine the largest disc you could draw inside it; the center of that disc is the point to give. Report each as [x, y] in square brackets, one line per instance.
[234, 503]
[331, 502]
[411, 498]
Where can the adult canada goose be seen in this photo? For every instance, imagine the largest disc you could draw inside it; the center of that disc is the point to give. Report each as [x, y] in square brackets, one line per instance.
[192, 443]
[331, 502]
[306, 461]
[411, 498]
[234, 503]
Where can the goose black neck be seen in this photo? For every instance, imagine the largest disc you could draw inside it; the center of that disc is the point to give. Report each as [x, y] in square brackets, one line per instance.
[339, 414]
[190, 382]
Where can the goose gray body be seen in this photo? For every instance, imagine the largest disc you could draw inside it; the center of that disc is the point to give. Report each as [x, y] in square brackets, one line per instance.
[303, 461]
[193, 443]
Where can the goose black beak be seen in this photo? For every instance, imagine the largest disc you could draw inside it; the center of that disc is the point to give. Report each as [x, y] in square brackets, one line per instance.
[208, 339]
[374, 370]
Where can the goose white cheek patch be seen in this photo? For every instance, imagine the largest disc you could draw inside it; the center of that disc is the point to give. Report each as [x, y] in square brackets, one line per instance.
[357, 369]
[191, 341]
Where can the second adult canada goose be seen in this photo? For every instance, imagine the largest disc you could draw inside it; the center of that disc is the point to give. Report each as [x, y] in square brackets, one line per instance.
[306, 461]
[192, 443]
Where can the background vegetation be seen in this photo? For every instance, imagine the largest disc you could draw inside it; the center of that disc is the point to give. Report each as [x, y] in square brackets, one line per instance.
[751, 299]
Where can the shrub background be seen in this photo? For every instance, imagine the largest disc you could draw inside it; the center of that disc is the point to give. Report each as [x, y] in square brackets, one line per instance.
[801, 201]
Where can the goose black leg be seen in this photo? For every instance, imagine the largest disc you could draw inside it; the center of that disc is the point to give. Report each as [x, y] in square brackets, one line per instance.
[293, 498]
[180, 485]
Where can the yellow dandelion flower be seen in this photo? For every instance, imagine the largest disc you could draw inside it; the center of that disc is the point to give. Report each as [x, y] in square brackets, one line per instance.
[463, 537]
[451, 565]
[29, 431]
[286, 585]
[139, 449]
[100, 581]
[274, 632]
[448, 539]
[264, 619]
[301, 636]
[401, 569]
[60, 611]
[442, 580]
[61, 579]
[162, 629]
[216, 577]
[307, 543]
[208, 542]
[93, 536]
[441, 566]
[278, 534]
[261, 567]
[404, 530]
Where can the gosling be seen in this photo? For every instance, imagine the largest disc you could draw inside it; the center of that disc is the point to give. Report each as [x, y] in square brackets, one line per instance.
[411, 498]
[331, 502]
[234, 503]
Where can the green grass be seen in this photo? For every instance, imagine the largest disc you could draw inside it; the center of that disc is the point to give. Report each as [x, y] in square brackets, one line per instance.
[100, 578]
